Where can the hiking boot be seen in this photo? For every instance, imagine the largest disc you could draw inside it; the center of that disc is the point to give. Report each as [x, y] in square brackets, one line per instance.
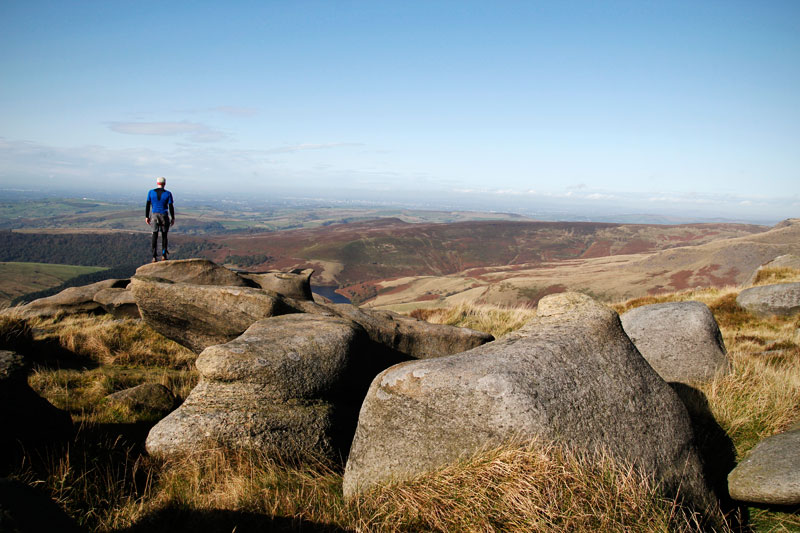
[155, 260]
[164, 257]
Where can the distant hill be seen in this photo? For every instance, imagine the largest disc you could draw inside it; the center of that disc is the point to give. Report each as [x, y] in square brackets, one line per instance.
[359, 254]
[716, 263]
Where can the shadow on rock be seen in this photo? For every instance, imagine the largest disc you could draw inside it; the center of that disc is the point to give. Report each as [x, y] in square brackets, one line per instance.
[179, 520]
[371, 359]
[716, 449]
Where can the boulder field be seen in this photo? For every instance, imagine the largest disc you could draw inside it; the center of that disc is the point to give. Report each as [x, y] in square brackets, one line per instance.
[276, 372]
[570, 375]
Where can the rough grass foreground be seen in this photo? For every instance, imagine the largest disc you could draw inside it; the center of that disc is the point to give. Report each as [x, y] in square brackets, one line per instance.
[519, 487]
[107, 483]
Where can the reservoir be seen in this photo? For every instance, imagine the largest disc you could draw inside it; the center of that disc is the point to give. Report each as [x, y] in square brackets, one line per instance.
[330, 293]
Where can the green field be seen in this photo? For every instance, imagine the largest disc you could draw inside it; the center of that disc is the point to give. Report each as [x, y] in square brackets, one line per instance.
[17, 279]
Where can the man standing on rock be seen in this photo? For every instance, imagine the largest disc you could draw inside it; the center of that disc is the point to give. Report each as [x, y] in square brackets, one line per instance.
[160, 200]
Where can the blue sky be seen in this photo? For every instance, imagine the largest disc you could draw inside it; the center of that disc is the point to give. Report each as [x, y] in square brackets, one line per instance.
[637, 106]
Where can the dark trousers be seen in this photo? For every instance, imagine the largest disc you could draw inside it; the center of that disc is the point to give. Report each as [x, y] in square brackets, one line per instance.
[160, 223]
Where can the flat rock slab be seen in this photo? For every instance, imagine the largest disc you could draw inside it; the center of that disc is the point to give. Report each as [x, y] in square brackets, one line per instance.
[72, 300]
[680, 340]
[571, 375]
[147, 396]
[274, 388]
[198, 316]
[782, 299]
[771, 473]
[412, 337]
[195, 271]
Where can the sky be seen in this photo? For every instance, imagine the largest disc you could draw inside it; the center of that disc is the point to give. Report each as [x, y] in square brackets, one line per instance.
[633, 106]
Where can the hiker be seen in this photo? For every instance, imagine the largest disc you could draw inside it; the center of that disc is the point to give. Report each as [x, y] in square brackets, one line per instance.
[161, 200]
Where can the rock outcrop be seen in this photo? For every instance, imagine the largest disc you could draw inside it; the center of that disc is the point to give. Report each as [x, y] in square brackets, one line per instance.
[782, 299]
[194, 271]
[279, 387]
[770, 474]
[199, 316]
[409, 336]
[680, 340]
[570, 375]
[152, 397]
[71, 300]
[117, 302]
[293, 284]
[27, 418]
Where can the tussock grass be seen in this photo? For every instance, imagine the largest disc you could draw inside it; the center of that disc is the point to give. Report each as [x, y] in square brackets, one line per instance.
[16, 333]
[517, 487]
[528, 487]
[82, 392]
[114, 341]
[488, 318]
[770, 275]
[533, 486]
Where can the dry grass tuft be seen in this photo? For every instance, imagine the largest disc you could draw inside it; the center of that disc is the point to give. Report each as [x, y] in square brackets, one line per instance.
[771, 275]
[16, 333]
[114, 341]
[530, 487]
[492, 319]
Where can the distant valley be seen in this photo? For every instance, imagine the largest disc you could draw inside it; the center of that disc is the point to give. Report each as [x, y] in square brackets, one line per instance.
[414, 259]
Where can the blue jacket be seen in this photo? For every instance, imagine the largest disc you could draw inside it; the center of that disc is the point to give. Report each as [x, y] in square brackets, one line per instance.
[160, 199]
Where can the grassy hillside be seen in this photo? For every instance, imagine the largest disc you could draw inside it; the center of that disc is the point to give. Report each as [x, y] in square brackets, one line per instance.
[108, 484]
[715, 263]
[359, 255]
[17, 279]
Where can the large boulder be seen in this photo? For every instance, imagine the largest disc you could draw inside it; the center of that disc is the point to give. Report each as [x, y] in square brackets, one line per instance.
[409, 336]
[771, 473]
[25, 417]
[194, 271]
[151, 397]
[72, 300]
[276, 388]
[680, 340]
[199, 316]
[293, 284]
[782, 299]
[571, 375]
[117, 302]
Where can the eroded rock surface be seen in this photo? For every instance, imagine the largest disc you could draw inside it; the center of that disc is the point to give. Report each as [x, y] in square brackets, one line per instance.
[71, 300]
[771, 472]
[194, 271]
[782, 299]
[199, 316]
[570, 375]
[278, 387]
[680, 340]
[117, 302]
[293, 284]
[409, 336]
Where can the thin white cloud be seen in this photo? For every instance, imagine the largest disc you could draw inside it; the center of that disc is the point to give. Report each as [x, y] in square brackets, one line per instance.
[194, 131]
